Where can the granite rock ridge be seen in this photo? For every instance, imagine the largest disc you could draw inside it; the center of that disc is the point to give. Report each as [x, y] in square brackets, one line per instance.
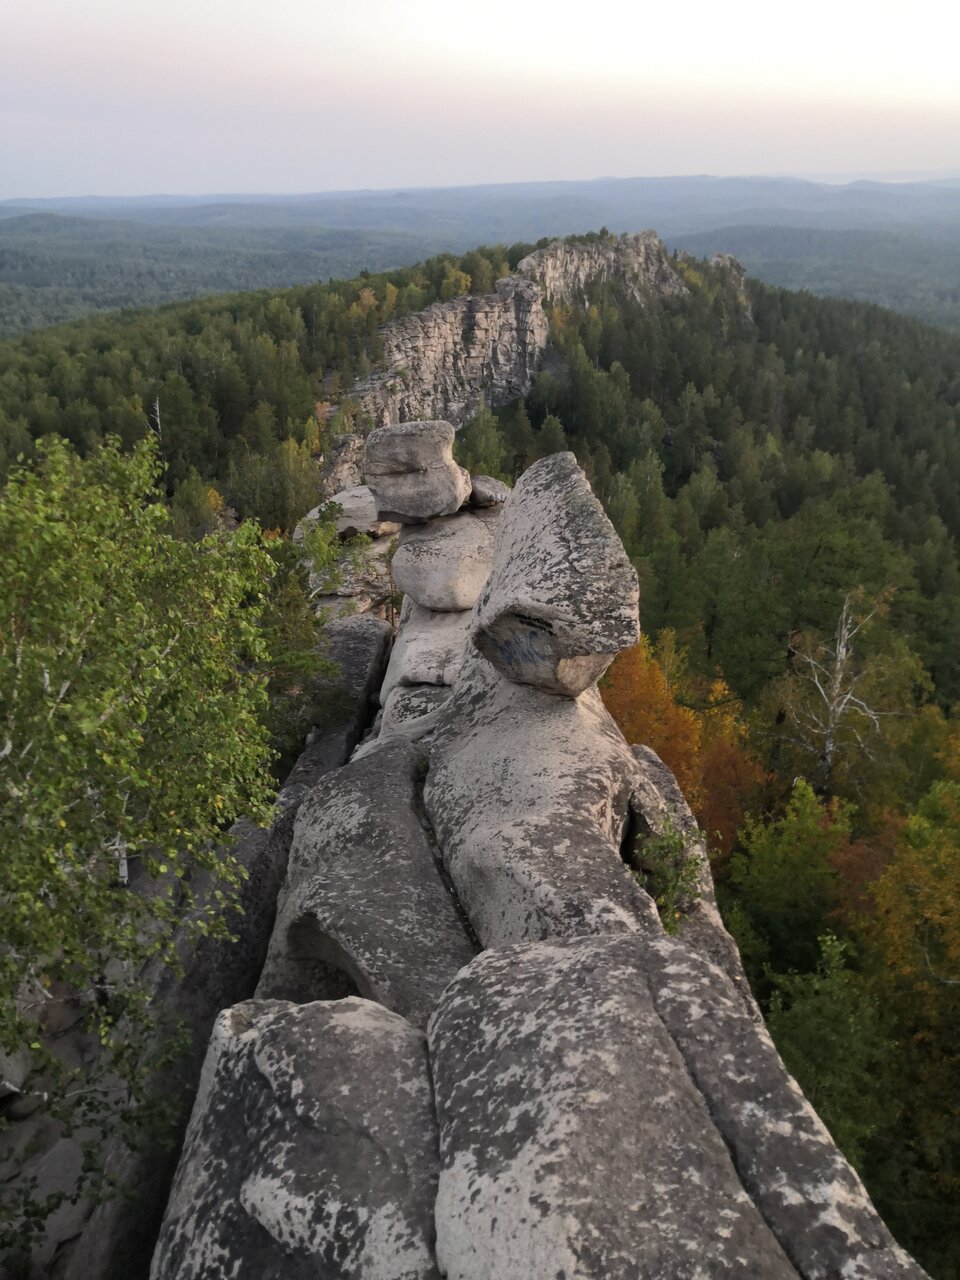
[446, 360]
[475, 1050]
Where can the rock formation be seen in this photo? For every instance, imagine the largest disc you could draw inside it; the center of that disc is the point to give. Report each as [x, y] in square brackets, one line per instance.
[475, 1051]
[444, 361]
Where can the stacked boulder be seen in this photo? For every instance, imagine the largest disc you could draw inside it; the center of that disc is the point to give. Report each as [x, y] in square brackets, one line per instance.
[442, 561]
[476, 1051]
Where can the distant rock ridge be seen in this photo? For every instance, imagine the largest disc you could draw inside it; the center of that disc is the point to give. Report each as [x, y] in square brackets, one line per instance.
[443, 362]
[476, 1050]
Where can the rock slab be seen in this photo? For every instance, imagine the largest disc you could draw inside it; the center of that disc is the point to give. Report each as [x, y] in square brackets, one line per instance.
[365, 908]
[311, 1150]
[572, 1140]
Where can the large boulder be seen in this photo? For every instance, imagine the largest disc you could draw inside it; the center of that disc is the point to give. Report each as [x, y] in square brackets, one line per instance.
[561, 599]
[342, 466]
[365, 908]
[429, 648]
[444, 563]
[530, 796]
[573, 1141]
[612, 1107]
[411, 470]
[311, 1150]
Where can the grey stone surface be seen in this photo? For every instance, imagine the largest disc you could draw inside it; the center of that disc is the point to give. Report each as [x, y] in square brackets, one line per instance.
[444, 563]
[358, 514]
[311, 1151]
[561, 599]
[413, 710]
[365, 907]
[342, 466]
[429, 648]
[445, 361]
[573, 1141]
[808, 1194]
[412, 473]
[530, 796]
[638, 262]
[488, 492]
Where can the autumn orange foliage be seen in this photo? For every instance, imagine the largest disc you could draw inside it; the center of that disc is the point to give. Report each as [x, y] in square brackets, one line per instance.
[705, 748]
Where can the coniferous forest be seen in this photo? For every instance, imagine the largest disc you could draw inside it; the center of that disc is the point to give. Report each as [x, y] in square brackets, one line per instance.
[784, 471]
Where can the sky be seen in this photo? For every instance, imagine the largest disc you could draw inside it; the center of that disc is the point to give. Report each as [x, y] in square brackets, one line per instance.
[190, 96]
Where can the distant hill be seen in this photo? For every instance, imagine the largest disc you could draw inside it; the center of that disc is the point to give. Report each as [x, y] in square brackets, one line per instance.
[909, 271]
[893, 243]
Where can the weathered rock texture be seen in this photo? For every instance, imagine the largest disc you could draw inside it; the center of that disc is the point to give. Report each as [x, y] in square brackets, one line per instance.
[561, 599]
[365, 907]
[556, 1086]
[445, 361]
[311, 1150]
[445, 563]
[412, 473]
[114, 1240]
[609, 1103]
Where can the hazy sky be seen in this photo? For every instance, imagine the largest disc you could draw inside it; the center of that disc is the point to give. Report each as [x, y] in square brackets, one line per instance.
[131, 97]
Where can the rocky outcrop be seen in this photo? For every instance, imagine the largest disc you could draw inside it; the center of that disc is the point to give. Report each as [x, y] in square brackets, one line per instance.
[311, 1150]
[447, 360]
[607, 1100]
[342, 466]
[639, 263]
[412, 473]
[569, 1152]
[365, 907]
[114, 1239]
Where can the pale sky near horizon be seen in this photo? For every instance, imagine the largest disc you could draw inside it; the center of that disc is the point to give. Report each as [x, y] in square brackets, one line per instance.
[141, 97]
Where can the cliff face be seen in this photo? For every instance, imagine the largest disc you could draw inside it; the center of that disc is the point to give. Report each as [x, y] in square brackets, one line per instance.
[445, 361]
[565, 269]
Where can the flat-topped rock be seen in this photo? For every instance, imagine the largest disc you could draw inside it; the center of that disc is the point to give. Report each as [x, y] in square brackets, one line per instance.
[311, 1150]
[561, 600]
[358, 514]
[411, 470]
[444, 563]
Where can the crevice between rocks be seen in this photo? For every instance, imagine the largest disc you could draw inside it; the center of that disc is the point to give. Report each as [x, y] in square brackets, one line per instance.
[788, 1253]
[423, 817]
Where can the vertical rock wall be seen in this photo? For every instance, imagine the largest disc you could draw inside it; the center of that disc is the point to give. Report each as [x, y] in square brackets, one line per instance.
[445, 361]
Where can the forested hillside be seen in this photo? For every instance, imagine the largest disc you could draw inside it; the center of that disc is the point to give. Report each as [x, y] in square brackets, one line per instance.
[785, 473]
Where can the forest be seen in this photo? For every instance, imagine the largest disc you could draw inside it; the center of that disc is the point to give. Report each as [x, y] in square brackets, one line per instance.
[784, 471]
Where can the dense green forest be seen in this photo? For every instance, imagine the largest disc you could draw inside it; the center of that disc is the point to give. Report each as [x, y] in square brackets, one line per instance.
[785, 473]
[917, 274]
[786, 481]
[891, 243]
[54, 269]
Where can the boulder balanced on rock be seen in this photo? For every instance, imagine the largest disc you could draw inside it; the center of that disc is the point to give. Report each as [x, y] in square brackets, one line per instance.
[412, 473]
[561, 599]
